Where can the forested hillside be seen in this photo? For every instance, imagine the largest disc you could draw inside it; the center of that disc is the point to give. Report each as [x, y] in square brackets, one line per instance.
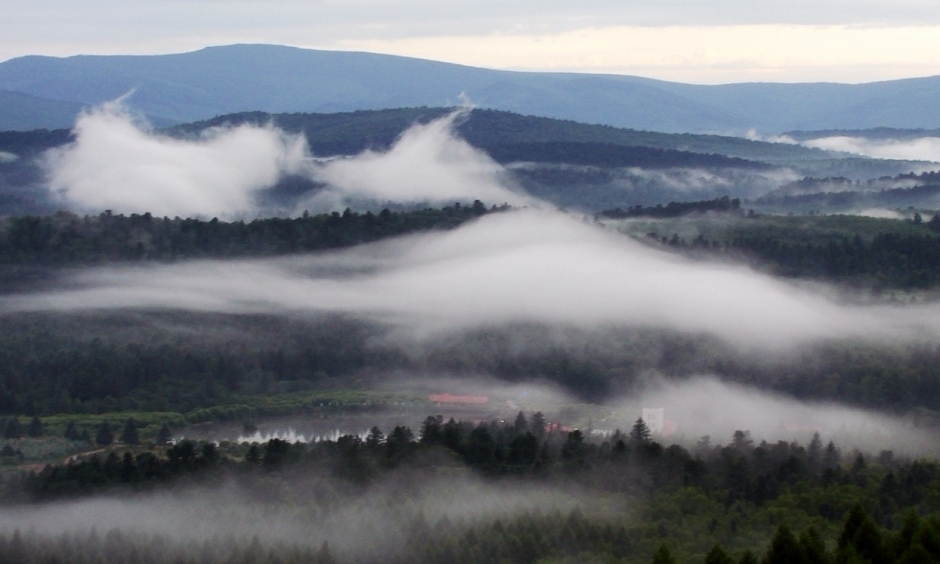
[862, 252]
[68, 239]
[97, 398]
[717, 502]
[61, 363]
[347, 133]
[574, 165]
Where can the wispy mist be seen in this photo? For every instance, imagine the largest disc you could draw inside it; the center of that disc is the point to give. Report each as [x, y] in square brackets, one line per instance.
[695, 182]
[708, 406]
[753, 135]
[117, 164]
[881, 213]
[523, 266]
[360, 523]
[922, 149]
[428, 163]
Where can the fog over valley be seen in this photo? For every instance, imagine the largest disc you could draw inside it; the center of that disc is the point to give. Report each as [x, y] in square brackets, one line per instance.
[522, 266]
[462, 335]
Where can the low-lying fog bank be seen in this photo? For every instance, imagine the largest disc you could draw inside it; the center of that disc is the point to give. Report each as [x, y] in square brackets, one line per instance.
[360, 524]
[706, 406]
[526, 266]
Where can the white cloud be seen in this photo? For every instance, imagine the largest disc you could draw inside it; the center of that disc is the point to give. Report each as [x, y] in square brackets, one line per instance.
[116, 164]
[428, 163]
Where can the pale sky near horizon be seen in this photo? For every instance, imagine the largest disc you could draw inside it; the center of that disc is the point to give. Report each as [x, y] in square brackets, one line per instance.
[711, 42]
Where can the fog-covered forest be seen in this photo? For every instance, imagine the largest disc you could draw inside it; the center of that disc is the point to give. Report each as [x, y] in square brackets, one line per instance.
[378, 337]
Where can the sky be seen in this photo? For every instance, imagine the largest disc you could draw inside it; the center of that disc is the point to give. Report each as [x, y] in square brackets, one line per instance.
[719, 41]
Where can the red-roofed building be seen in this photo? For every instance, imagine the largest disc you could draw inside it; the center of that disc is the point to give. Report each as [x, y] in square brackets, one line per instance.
[465, 400]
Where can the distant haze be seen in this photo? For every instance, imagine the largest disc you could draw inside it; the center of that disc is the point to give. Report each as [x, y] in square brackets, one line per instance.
[714, 42]
[221, 80]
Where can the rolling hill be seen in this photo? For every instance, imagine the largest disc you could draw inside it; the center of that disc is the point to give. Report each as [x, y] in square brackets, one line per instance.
[575, 165]
[220, 80]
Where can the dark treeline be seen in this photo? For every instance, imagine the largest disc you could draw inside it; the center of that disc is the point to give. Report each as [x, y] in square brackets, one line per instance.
[33, 142]
[528, 538]
[65, 238]
[626, 462]
[853, 197]
[733, 496]
[900, 191]
[888, 260]
[675, 209]
[884, 260]
[609, 155]
[118, 546]
[45, 372]
[506, 136]
[810, 185]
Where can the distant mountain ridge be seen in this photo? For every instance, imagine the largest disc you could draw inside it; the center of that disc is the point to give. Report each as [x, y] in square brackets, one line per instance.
[22, 111]
[277, 79]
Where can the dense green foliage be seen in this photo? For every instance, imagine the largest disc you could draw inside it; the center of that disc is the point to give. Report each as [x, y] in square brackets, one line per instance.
[65, 238]
[675, 209]
[740, 496]
[851, 250]
[849, 200]
[96, 363]
[47, 374]
[888, 260]
[113, 385]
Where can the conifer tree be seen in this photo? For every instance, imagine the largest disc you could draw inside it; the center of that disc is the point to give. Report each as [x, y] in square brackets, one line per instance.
[35, 428]
[784, 548]
[640, 434]
[71, 432]
[129, 435]
[663, 556]
[104, 435]
[717, 555]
